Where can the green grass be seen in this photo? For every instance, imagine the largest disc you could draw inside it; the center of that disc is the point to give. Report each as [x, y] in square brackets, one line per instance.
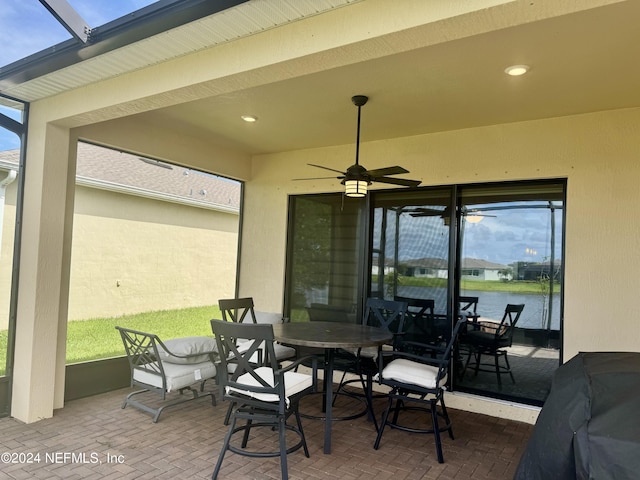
[97, 338]
[511, 287]
[479, 285]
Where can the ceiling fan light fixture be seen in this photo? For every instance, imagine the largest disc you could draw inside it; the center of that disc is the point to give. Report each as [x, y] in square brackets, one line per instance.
[474, 218]
[355, 188]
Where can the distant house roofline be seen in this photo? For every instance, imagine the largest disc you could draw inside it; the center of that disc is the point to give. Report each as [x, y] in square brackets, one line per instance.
[120, 172]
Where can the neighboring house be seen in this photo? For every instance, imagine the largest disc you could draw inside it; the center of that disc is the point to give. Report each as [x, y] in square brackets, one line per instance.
[538, 271]
[147, 235]
[472, 268]
[478, 269]
[427, 267]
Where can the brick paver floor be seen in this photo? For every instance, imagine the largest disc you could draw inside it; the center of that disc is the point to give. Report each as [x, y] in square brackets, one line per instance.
[93, 438]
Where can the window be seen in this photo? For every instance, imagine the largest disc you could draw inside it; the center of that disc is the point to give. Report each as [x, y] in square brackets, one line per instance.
[325, 256]
[13, 121]
[501, 243]
[150, 250]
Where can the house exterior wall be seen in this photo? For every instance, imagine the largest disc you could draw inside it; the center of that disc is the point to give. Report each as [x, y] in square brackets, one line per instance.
[597, 153]
[132, 254]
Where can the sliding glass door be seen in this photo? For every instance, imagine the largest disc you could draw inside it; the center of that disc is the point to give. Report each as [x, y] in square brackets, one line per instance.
[442, 249]
[325, 258]
[510, 252]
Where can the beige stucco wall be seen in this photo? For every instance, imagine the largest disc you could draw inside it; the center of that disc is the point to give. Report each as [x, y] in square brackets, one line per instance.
[132, 254]
[599, 155]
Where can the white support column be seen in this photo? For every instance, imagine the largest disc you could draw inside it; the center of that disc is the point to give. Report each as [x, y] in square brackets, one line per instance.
[41, 323]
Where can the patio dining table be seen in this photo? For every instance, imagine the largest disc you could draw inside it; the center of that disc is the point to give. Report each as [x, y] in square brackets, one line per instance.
[330, 336]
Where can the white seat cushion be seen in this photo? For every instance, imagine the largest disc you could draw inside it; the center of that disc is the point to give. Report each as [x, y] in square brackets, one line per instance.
[294, 382]
[369, 352]
[268, 317]
[414, 373]
[178, 375]
[283, 352]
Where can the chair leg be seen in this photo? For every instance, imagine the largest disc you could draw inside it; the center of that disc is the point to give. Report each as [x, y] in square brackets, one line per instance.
[245, 434]
[383, 424]
[496, 358]
[396, 411]
[340, 387]
[478, 357]
[283, 447]
[228, 415]
[436, 429]
[369, 394]
[304, 440]
[509, 367]
[225, 447]
[445, 415]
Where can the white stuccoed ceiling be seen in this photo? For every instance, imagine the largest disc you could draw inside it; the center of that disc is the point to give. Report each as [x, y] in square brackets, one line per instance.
[444, 74]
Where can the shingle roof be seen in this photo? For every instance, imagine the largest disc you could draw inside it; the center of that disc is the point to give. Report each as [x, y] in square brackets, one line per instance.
[101, 167]
[481, 264]
[440, 263]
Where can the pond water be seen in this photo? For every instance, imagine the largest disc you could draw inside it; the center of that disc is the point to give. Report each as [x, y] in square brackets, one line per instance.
[491, 304]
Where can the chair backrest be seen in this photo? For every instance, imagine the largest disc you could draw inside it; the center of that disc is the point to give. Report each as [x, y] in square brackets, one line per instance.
[237, 310]
[437, 356]
[504, 333]
[418, 307]
[243, 375]
[468, 304]
[443, 367]
[142, 352]
[387, 314]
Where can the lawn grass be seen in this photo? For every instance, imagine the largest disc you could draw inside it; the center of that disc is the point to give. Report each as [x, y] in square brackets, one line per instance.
[97, 338]
[517, 286]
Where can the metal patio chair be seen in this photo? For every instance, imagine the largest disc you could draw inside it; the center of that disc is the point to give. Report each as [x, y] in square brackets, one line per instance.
[492, 339]
[261, 395]
[417, 373]
[165, 367]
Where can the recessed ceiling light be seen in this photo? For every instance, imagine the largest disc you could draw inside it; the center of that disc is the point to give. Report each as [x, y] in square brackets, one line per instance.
[249, 118]
[516, 70]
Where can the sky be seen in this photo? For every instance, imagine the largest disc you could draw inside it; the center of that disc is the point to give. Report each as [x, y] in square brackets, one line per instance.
[503, 236]
[27, 27]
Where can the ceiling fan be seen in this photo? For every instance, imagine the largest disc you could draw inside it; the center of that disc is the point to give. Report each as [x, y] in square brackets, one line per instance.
[357, 178]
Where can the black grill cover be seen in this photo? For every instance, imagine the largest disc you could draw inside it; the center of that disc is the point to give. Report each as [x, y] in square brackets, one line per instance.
[589, 426]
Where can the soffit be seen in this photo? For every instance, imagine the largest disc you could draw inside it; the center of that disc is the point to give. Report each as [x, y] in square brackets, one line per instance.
[231, 24]
[582, 61]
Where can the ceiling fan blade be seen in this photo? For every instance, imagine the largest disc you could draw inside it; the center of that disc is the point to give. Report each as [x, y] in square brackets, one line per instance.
[429, 211]
[381, 172]
[317, 178]
[397, 181]
[423, 214]
[327, 168]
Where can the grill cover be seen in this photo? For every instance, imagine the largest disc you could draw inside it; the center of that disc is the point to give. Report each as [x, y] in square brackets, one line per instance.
[589, 426]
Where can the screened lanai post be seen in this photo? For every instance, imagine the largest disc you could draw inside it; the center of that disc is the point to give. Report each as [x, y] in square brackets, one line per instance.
[552, 267]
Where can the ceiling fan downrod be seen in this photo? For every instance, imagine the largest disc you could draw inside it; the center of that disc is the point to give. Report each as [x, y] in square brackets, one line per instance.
[358, 101]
